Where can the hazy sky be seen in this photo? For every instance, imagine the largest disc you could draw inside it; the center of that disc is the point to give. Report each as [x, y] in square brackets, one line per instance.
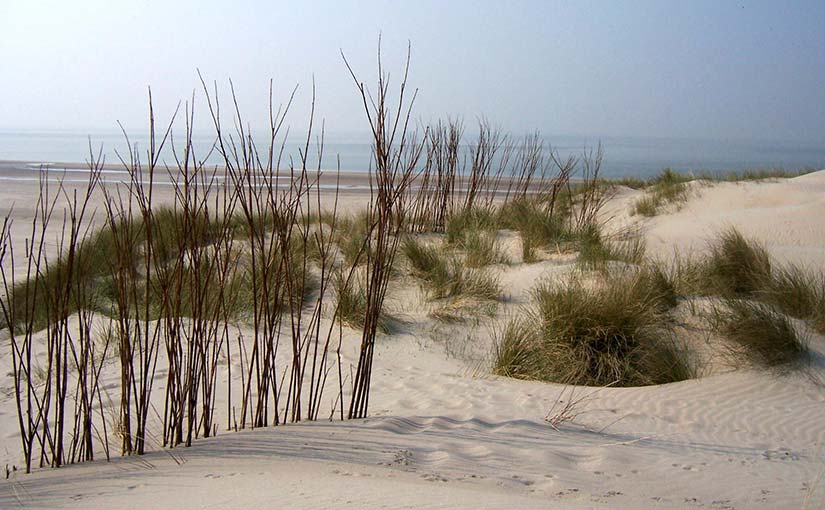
[715, 69]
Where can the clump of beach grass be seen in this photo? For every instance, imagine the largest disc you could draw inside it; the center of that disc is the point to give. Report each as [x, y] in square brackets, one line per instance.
[648, 206]
[468, 221]
[351, 237]
[739, 267]
[595, 250]
[762, 334]
[283, 281]
[664, 283]
[481, 248]
[613, 331]
[352, 303]
[474, 283]
[762, 174]
[515, 351]
[798, 293]
[95, 258]
[669, 187]
[446, 275]
[540, 223]
[473, 231]
[631, 182]
[426, 260]
[735, 266]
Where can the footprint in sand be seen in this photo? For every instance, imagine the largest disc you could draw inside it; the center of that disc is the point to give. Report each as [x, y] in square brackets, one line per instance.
[434, 477]
[780, 454]
[522, 481]
[402, 458]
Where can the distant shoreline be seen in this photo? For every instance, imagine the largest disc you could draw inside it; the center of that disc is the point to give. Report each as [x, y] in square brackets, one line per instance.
[357, 181]
[28, 171]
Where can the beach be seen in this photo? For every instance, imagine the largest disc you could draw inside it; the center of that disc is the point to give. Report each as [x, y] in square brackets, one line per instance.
[444, 432]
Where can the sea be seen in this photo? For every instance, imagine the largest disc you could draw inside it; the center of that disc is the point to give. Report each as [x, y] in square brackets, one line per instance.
[623, 156]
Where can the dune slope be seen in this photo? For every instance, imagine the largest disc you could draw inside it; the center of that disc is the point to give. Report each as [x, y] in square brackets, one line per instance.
[444, 434]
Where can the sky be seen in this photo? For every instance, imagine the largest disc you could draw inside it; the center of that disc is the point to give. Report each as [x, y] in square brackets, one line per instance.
[698, 69]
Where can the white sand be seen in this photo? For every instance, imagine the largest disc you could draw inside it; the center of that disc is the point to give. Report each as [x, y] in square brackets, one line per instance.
[444, 434]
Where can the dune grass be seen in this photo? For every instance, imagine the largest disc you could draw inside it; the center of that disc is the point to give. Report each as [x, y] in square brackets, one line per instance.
[749, 174]
[663, 282]
[446, 276]
[351, 237]
[426, 260]
[619, 328]
[352, 304]
[538, 224]
[735, 266]
[481, 248]
[798, 293]
[758, 293]
[96, 259]
[473, 231]
[595, 251]
[613, 332]
[669, 187]
[516, 351]
[631, 182]
[762, 334]
[760, 174]
[739, 267]
[289, 281]
[647, 206]
[466, 221]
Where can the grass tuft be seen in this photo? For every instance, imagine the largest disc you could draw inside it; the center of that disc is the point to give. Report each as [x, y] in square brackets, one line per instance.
[796, 292]
[538, 225]
[352, 303]
[482, 249]
[514, 350]
[446, 275]
[662, 283]
[351, 237]
[741, 268]
[762, 174]
[474, 232]
[615, 332]
[736, 266]
[764, 335]
[467, 221]
[595, 251]
[669, 187]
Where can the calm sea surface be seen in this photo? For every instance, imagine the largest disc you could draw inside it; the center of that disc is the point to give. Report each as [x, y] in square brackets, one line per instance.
[638, 157]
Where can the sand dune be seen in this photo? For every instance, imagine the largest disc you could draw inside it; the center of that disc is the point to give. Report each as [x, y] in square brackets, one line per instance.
[786, 215]
[445, 434]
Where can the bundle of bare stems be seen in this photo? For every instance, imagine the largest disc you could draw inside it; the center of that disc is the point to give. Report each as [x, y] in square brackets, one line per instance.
[246, 242]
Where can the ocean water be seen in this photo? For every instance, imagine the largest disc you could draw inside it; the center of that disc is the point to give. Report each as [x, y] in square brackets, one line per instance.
[623, 156]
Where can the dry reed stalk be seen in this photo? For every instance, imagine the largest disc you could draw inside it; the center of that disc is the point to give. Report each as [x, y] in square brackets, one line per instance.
[396, 152]
[593, 194]
[139, 341]
[251, 234]
[483, 182]
[51, 292]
